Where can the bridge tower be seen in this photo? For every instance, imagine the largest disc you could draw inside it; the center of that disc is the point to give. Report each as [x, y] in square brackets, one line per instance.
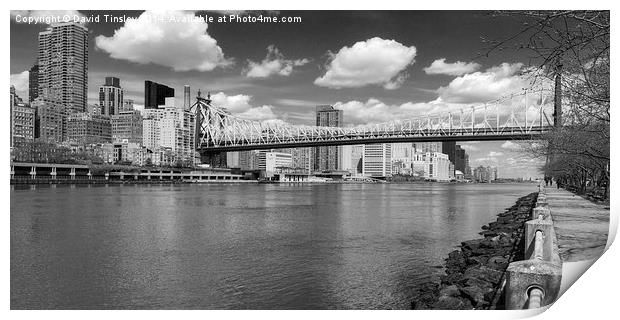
[205, 119]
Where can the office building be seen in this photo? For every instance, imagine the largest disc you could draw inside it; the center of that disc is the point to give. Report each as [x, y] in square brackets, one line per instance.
[155, 94]
[127, 105]
[377, 160]
[327, 158]
[351, 158]
[63, 66]
[127, 126]
[273, 162]
[88, 128]
[33, 83]
[424, 147]
[302, 159]
[111, 96]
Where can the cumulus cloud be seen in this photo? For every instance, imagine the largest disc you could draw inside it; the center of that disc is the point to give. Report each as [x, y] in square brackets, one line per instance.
[274, 64]
[485, 86]
[469, 147]
[458, 68]
[20, 82]
[372, 62]
[495, 154]
[175, 39]
[240, 106]
[44, 15]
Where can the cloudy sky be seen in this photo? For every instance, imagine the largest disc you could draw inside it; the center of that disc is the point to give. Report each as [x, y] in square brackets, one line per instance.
[375, 65]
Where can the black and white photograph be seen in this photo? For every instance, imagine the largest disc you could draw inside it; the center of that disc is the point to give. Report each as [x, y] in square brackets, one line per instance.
[322, 159]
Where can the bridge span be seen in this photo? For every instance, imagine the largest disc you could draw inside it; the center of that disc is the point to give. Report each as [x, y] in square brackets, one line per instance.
[523, 116]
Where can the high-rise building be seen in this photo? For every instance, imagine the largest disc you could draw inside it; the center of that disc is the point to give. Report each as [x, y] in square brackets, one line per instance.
[302, 159]
[272, 161]
[155, 94]
[127, 105]
[327, 158]
[186, 97]
[111, 96]
[22, 120]
[63, 66]
[461, 159]
[171, 128]
[127, 126]
[50, 119]
[33, 83]
[377, 161]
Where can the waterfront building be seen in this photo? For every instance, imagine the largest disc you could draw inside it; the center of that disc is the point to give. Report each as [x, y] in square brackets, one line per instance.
[302, 159]
[63, 66]
[124, 152]
[247, 160]
[377, 160]
[88, 128]
[351, 159]
[111, 96]
[232, 159]
[273, 162]
[327, 158]
[170, 127]
[127, 125]
[485, 174]
[431, 165]
[33, 83]
[22, 121]
[49, 121]
[155, 94]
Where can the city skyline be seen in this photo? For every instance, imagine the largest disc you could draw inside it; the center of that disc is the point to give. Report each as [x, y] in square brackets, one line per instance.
[297, 75]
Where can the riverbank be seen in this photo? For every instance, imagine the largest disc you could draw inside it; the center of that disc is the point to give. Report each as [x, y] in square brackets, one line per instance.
[475, 273]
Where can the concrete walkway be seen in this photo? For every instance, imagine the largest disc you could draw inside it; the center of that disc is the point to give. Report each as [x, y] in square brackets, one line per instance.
[581, 228]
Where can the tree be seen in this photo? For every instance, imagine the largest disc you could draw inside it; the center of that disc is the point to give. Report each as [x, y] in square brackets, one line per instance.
[571, 50]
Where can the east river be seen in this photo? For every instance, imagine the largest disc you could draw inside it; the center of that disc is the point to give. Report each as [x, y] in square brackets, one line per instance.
[240, 246]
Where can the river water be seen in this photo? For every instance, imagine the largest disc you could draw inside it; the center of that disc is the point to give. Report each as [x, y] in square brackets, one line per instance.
[240, 246]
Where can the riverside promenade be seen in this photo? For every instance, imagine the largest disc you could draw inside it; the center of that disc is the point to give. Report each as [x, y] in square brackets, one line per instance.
[581, 228]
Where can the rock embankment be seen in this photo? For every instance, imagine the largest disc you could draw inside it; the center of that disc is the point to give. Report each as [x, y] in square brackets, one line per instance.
[475, 274]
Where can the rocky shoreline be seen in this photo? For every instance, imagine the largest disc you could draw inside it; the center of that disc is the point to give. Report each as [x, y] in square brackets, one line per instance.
[475, 274]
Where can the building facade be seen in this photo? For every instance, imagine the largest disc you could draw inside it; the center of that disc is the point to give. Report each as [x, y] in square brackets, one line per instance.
[155, 94]
[50, 120]
[22, 122]
[63, 66]
[88, 128]
[33, 83]
[327, 158]
[172, 128]
[111, 96]
[127, 125]
[377, 160]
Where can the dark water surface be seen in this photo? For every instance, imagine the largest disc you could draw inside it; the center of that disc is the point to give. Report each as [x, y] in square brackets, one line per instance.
[240, 246]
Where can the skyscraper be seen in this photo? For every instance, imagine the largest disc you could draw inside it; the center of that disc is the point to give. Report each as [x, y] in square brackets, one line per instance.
[186, 97]
[111, 96]
[155, 94]
[63, 66]
[327, 158]
[33, 83]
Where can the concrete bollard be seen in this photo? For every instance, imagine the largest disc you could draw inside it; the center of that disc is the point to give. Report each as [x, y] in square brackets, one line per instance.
[523, 276]
[546, 226]
[538, 211]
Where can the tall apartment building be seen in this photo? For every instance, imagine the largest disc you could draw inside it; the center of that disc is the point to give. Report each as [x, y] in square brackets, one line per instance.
[111, 96]
[377, 160]
[155, 94]
[127, 105]
[127, 126]
[49, 119]
[63, 67]
[171, 128]
[302, 159]
[33, 83]
[88, 128]
[327, 158]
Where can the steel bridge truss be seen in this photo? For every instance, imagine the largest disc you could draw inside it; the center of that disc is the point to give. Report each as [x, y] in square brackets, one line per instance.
[519, 116]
